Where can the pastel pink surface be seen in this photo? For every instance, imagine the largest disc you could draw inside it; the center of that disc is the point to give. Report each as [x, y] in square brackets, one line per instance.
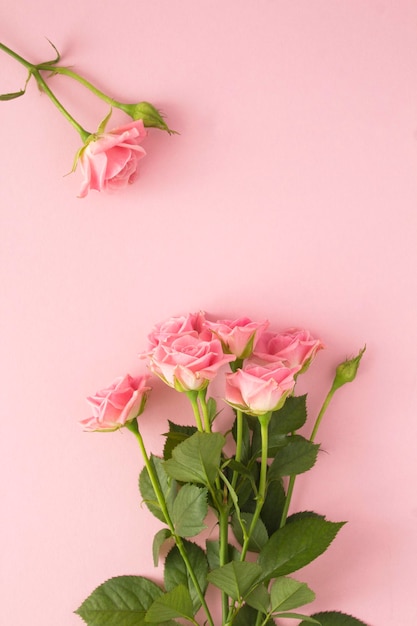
[290, 194]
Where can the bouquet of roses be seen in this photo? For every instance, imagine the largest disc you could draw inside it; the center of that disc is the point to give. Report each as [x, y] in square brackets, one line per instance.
[108, 158]
[244, 476]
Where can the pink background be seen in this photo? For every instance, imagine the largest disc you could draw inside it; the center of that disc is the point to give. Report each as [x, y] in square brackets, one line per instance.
[289, 194]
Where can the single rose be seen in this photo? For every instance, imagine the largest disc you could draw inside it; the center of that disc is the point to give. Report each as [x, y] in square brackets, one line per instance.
[109, 160]
[238, 336]
[191, 324]
[295, 348]
[117, 404]
[259, 389]
[188, 363]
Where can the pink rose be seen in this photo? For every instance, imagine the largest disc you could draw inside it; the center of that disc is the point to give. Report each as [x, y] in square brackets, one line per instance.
[258, 389]
[111, 160]
[238, 336]
[188, 363]
[118, 404]
[191, 324]
[295, 348]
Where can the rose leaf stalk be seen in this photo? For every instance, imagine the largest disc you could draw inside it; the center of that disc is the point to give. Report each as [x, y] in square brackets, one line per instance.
[345, 373]
[35, 72]
[134, 428]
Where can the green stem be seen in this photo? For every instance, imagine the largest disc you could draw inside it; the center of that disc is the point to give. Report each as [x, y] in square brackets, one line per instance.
[223, 553]
[321, 413]
[134, 428]
[192, 396]
[16, 56]
[65, 71]
[288, 497]
[316, 427]
[204, 409]
[239, 441]
[34, 71]
[264, 422]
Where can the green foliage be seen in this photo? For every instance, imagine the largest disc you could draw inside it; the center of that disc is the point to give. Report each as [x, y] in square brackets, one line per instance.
[176, 435]
[197, 459]
[291, 417]
[167, 486]
[247, 617]
[273, 506]
[176, 572]
[189, 511]
[287, 594]
[296, 545]
[236, 578]
[12, 96]
[335, 618]
[120, 601]
[259, 535]
[246, 492]
[297, 457]
[213, 553]
[175, 603]
[158, 541]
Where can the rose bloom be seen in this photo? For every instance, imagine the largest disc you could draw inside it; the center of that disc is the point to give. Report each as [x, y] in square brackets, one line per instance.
[117, 404]
[295, 348]
[259, 389]
[191, 324]
[238, 336]
[188, 363]
[111, 161]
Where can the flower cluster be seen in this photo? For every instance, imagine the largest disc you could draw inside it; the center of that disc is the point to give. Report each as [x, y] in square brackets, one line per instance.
[108, 159]
[188, 352]
[249, 491]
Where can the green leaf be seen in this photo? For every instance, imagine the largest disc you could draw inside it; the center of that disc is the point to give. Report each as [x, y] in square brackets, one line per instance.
[189, 510]
[273, 506]
[295, 545]
[275, 442]
[290, 417]
[176, 435]
[247, 617]
[120, 601]
[246, 488]
[176, 573]
[12, 96]
[287, 593]
[197, 459]
[159, 539]
[335, 618]
[175, 603]
[286, 420]
[307, 619]
[302, 515]
[297, 457]
[259, 599]
[168, 488]
[236, 578]
[213, 553]
[259, 535]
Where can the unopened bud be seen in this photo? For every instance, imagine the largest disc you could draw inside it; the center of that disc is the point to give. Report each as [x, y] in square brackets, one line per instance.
[346, 371]
[150, 116]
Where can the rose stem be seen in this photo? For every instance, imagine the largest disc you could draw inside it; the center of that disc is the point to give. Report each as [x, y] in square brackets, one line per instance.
[33, 71]
[134, 428]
